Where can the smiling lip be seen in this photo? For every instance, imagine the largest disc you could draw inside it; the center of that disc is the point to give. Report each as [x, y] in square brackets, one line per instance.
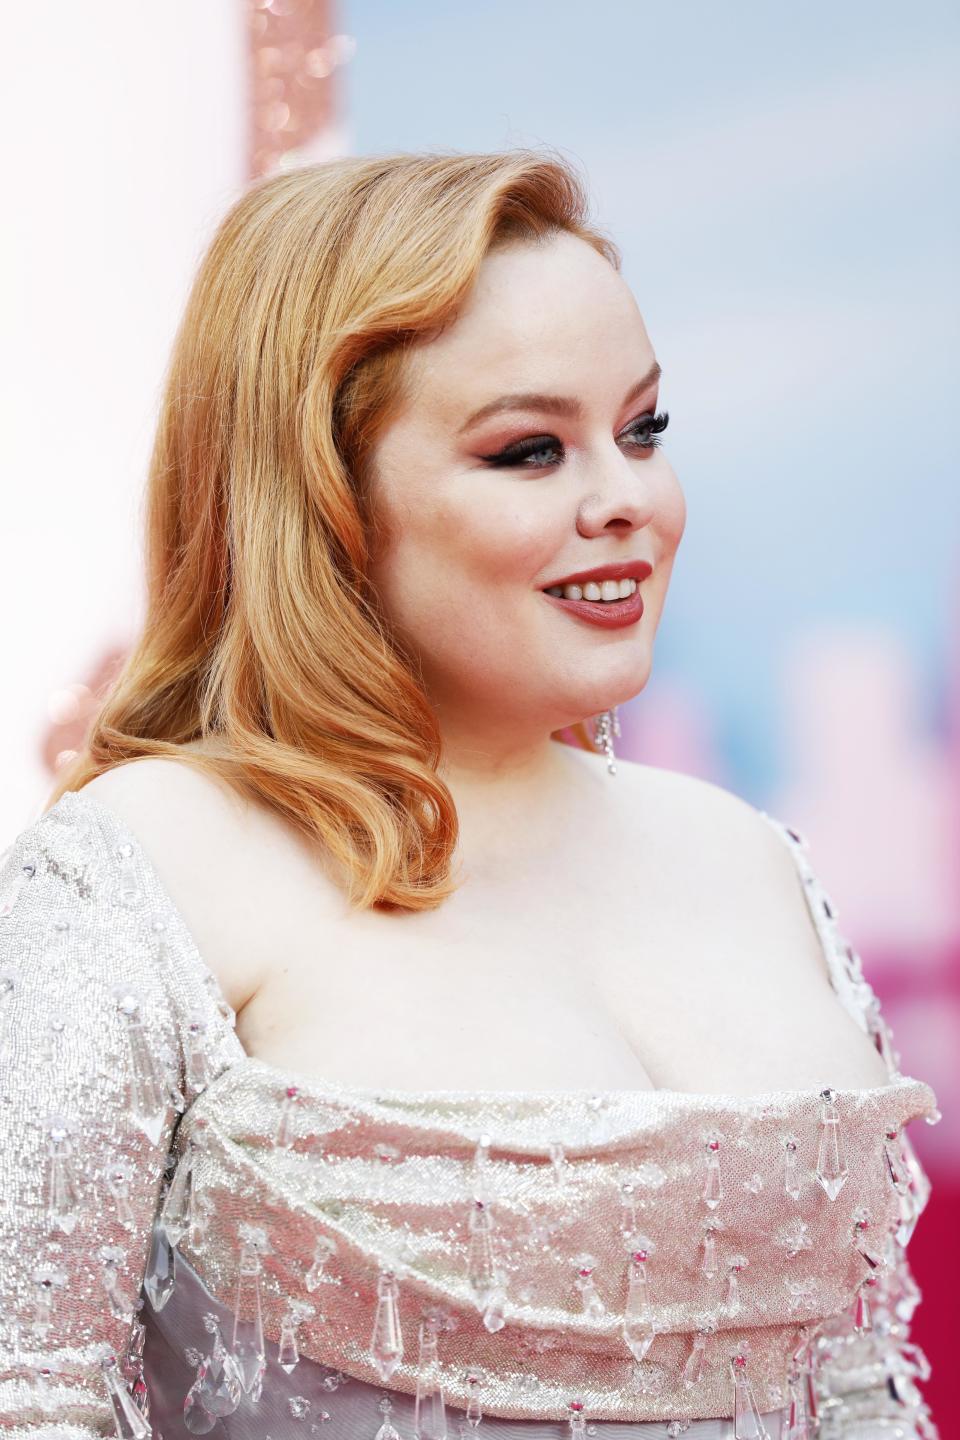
[608, 614]
[617, 570]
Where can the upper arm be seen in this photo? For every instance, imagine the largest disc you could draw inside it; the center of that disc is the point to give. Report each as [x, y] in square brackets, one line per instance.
[193, 828]
[85, 1126]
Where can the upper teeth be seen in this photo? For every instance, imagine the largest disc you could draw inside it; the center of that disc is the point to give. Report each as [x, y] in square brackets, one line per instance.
[606, 590]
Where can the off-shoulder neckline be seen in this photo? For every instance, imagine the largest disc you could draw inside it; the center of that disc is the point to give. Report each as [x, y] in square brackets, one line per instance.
[318, 1086]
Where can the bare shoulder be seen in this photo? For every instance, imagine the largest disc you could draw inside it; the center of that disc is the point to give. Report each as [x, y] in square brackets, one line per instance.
[159, 795]
[688, 808]
[213, 853]
[727, 850]
[691, 797]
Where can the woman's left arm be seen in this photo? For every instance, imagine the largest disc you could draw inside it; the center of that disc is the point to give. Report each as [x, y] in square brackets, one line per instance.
[868, 1369]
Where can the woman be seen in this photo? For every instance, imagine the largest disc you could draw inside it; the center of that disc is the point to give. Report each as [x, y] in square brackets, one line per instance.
[428, 1073]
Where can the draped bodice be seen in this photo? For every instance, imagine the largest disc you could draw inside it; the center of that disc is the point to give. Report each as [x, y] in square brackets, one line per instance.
[571, 1244]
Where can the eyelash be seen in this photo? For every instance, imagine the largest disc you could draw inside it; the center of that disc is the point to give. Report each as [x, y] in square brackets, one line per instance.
[518, 454]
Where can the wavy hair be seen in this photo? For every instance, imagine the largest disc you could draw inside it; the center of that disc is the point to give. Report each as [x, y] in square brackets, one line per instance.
[261, 631]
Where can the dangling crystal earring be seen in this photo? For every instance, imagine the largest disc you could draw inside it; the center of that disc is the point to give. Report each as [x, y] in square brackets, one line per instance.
[605, 726]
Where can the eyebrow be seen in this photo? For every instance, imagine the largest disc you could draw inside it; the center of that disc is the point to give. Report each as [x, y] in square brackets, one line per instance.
[553, 404]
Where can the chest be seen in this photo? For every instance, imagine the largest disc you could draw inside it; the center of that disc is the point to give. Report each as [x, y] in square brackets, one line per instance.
[567, 970]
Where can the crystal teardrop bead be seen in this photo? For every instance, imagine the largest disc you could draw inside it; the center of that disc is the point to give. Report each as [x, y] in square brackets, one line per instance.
[148, 1091]
[177, 1212]
[791, 1170]
[639, 1329]
[128, 886]
[196, 1417]
[129, 1420]
[198, 1065]
[288, 1353]
[747, 1423]
[797, 1427]
[64, 1200]
[693, 1369]
[248, 1347]
[893, 1155]
[713, 1183]
[474, 1410]
[494, 1311]
[862, 1313]
[482, 1270]
[831, 1161]
[219, 1385]
[709, 1266]
[386, 1342]
[736, 1264]
[9, 898]
[161, 1272]
[429, 1409]
[322, 1251]
[590, 1299]
[286, 1125]
[577, 1419]
[122, 1304]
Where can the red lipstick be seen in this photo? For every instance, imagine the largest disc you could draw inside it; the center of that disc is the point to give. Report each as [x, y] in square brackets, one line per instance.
[608, 614]
[617, 570]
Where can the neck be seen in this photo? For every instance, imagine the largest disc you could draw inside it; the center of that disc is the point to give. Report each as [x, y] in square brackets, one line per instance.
[506, 787]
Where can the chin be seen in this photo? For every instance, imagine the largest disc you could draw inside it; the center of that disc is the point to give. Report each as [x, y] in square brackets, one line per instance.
[621, 683]
[584, 709]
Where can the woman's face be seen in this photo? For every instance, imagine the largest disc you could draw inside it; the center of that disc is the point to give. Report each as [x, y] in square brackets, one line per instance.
[469, 533]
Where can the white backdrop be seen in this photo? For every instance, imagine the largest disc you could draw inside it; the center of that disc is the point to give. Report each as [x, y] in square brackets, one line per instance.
[116, 173]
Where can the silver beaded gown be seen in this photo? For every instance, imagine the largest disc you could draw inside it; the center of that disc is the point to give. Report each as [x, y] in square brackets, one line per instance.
[193, 1241]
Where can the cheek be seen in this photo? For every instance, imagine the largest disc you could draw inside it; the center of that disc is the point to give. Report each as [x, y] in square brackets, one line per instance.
[468, 552]
[487, 539]
[502, 532]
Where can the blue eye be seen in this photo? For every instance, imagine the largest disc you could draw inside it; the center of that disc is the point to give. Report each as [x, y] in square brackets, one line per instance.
[643, 433]
[654, 425]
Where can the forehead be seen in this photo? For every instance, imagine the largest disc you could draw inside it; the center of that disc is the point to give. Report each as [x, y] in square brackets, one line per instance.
[552, 316]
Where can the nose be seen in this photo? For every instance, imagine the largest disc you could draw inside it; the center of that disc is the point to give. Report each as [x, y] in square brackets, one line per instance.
[626, 503]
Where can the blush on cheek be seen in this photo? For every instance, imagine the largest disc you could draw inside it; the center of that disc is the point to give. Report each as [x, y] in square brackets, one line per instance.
[505, 528]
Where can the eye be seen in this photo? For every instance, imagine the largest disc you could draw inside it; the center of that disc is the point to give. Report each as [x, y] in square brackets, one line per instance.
[650, 425]
[642, 433]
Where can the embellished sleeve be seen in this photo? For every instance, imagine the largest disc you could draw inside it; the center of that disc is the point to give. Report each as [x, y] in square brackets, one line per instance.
[95, 1069]
[868, 1369]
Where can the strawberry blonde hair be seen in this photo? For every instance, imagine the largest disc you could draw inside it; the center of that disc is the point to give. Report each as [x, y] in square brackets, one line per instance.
[262, 633]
